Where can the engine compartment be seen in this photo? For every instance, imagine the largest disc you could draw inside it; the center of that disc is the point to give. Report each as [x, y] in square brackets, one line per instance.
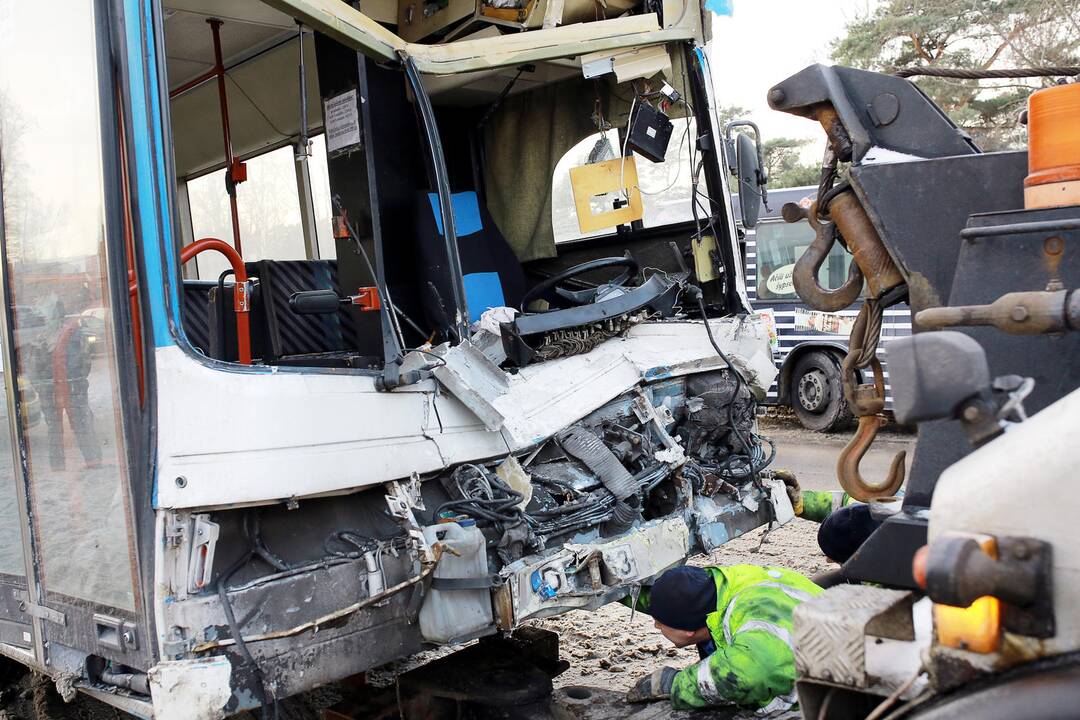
[641, 457]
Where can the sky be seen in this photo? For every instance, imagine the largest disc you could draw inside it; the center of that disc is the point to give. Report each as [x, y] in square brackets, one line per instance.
[766, 41]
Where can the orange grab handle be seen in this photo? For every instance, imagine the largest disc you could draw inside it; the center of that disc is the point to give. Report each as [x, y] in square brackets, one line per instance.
[241, 301]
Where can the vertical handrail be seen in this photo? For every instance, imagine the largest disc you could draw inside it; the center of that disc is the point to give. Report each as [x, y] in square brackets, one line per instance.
[230, 159]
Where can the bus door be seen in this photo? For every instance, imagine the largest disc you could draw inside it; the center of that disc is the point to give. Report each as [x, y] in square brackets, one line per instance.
[68, 563]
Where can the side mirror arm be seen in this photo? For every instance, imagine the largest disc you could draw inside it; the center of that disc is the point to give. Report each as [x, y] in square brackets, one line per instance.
[730, 158]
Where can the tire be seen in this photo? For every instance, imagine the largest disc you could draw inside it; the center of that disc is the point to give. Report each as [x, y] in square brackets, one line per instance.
[816, 393]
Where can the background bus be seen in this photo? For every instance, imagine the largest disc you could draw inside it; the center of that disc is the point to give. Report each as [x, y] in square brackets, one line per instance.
[810, 343]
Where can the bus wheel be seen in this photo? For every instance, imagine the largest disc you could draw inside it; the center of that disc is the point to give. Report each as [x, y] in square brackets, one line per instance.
[817, 395]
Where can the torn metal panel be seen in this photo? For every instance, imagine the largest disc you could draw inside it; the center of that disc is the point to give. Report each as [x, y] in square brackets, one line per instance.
[724, 517]
[535, 45]
[345, 24]
[543, 398]
[583, 575]
[628, 64]
[191, 689]
[354, 29]
[472, 378]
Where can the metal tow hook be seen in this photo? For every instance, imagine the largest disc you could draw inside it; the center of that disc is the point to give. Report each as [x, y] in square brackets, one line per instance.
[807, 267]
[867, 402]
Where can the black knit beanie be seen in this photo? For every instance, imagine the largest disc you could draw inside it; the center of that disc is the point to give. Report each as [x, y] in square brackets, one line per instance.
[682, 597]
[845, 530]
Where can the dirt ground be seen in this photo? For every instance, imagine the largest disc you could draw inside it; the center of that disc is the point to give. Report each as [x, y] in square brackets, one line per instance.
[610, 648]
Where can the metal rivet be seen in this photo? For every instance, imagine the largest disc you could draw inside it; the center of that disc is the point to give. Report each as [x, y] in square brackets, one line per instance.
[1019, 313]
[181, 482]
[1054, 245]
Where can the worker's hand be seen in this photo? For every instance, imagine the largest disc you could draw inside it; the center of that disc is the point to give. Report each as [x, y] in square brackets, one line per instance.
[794, 492]
[654, 686]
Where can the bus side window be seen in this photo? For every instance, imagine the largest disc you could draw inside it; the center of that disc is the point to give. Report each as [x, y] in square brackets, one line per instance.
[779, 246]
[269, 206]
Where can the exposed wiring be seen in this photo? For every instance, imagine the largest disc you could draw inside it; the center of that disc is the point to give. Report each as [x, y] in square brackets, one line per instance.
[234, 627]
[379, 284]
[740, 383]
[678, 166]
[888, 702]
[626, 142]
[484, 496]
[261, 550]
[324, 619]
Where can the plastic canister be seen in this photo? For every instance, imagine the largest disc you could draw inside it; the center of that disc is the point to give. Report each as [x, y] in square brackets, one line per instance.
[457, 613]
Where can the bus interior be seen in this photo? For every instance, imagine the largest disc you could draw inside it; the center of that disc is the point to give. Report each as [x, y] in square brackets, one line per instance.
[510, 137]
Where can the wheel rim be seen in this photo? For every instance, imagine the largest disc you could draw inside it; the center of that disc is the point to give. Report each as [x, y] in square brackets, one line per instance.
[813, 391]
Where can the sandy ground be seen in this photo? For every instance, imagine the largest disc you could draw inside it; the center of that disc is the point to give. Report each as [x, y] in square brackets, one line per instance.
[609, 648]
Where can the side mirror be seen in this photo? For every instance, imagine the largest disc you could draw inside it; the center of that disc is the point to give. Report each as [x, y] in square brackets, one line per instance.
[745, 160]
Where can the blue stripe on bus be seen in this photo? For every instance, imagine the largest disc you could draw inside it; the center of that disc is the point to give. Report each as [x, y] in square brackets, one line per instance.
[151, 184]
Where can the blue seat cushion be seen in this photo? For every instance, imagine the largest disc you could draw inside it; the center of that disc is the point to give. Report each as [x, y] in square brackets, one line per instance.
[492, 274]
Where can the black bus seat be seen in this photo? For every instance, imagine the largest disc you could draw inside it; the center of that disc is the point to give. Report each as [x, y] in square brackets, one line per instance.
[289, 338]
[195, 313]
[492, 274]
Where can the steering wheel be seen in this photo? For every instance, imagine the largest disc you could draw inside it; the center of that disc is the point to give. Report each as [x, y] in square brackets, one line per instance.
[550, 289]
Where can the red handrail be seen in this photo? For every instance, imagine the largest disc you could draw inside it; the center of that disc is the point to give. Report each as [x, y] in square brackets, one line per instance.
[241, 301]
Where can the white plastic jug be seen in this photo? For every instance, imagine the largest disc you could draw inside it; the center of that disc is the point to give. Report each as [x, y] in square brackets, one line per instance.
[452, 614]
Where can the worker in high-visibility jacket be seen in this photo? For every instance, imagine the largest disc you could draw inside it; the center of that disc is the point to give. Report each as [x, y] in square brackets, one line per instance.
[739, 617]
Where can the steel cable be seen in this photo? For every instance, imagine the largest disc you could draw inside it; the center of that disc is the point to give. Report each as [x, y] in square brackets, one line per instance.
[1005, 74]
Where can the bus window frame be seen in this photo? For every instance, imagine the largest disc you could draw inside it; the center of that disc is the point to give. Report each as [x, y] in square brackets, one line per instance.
[304, 193]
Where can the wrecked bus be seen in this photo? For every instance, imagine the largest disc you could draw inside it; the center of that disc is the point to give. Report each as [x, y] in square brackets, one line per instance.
[266, 467]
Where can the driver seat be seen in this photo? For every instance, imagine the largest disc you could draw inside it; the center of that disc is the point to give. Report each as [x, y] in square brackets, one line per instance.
[493, 276]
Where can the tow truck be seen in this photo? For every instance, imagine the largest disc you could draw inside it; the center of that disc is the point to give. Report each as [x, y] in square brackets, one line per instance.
[963, 602]
[245, 463]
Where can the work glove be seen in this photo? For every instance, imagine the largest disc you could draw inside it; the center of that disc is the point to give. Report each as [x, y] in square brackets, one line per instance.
[794, 492]
[654, 686]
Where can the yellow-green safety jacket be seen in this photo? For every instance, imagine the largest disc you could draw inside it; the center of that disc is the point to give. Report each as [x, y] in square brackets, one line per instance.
[750, 662]
[819, 504]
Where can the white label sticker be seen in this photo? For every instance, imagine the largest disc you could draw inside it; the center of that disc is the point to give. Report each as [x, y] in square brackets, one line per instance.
[650, 131]
[779, 281]
[342, 121]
